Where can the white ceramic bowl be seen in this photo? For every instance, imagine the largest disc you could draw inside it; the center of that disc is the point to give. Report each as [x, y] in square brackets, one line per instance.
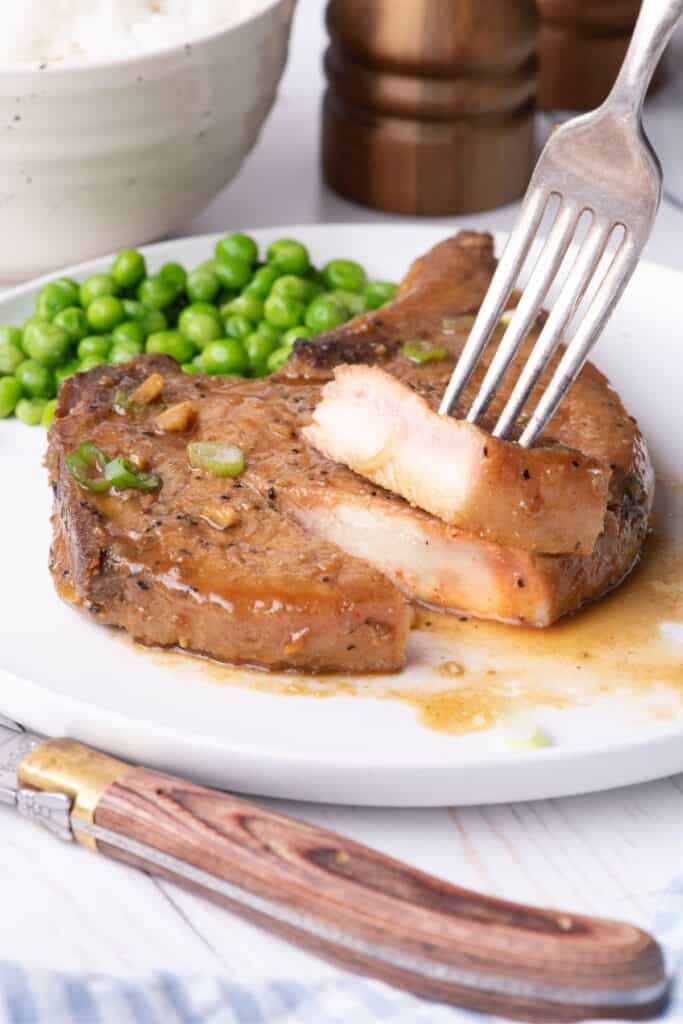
[100, 155]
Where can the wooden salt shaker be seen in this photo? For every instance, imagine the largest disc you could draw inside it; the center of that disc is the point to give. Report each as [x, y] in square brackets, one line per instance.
[429, 105]
[582, 44]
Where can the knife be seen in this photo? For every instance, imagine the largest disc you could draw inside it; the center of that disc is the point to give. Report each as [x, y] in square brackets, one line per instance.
[340, 900]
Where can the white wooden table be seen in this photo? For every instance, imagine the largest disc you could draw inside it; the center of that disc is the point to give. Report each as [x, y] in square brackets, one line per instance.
[611, 854]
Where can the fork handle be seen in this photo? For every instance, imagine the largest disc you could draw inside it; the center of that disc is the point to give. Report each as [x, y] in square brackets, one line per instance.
[654, 28]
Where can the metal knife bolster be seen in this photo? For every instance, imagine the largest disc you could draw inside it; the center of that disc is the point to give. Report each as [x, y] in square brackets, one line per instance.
[57, 783]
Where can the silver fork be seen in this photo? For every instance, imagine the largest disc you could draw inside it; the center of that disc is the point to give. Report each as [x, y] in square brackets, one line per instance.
[599, 165]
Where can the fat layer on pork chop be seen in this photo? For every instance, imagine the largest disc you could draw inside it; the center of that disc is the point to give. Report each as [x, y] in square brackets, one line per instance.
[547, 499]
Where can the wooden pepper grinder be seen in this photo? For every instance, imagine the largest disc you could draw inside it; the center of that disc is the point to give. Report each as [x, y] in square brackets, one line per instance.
[429, 105]
[582, 44]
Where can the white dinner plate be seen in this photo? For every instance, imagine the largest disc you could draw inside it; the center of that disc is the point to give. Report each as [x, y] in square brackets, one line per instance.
[62, 674]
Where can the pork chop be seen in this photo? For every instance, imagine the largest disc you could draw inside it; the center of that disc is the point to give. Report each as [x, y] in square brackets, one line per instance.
[310, 571]
[547, 499]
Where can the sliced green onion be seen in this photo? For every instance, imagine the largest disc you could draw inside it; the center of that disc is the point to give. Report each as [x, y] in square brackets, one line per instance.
[521, 732]
[87, 466]
[419, 351]
[217, 457]
[122, 474]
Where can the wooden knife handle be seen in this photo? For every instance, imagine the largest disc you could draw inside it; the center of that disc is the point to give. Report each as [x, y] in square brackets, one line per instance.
[375, 915]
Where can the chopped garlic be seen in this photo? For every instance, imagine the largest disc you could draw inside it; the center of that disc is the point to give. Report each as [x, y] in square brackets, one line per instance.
[177, 417]
[221, 517]
[149, 390]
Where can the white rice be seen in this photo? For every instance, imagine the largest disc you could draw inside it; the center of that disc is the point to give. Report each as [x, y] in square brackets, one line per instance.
[91, 30]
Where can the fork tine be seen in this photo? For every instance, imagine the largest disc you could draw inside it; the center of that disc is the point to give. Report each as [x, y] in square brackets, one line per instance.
[568, 300]
[617, 277]
[504, 279]
[545, 272]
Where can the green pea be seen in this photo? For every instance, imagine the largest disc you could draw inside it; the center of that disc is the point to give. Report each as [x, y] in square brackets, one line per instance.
[353, 302]
[30, 410]
[105, 313]
[293, 287]
[49, 300]
[48, 413]
[200, 327]
[294, 333]
[10, 394]
[74, 321]
[90, 363]
[47, 344]
[10, 357]
[237, 245]
[175, 274]
[129, 268]
[269, 332]
[345, 274]
[378, 293]
[289, 256]
[28, 328]
[238, 327]
[190, 368]
[233, 272]
[278, 358]
[134, 310]
[95, 287]
[67, 370]
[258, 349]
[262, 282]
[123, 351]
[157, 294]
[171, 343]
[36, 380]
[129, 332]
[208, 265]
[69, 285]
[153, 322]
[224, 357]
[324, 313]
[202, 286]
[11, 336]
[95, 345]
[282, 312]
[249, 306]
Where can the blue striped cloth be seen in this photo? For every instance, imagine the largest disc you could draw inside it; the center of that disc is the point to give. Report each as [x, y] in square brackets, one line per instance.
[29, 996]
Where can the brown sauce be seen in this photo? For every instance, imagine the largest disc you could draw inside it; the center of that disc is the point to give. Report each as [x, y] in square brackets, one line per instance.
[616, 644]
[462, 675]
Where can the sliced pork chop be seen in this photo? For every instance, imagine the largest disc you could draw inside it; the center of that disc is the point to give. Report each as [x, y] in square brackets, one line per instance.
[440, 564]
[546, 499]
[206, 563]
